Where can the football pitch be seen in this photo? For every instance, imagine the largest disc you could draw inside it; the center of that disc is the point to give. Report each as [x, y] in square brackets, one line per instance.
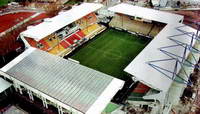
[110, 52]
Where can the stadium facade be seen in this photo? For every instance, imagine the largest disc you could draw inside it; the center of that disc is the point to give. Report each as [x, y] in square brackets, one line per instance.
[162, 68]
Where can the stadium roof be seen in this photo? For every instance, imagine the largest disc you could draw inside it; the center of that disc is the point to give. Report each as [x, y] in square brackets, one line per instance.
[71, 85]
[146, 13]
[53, 24]
[148, 75]
[4, 85]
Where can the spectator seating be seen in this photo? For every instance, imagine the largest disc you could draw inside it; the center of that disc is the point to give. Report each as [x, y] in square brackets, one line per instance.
[90, 29]
[64, 44]
[93, 30]
[61, 47]
[52, 41]
[127, 23]
[57, 50]
[42, 44]
[80, 34]
[72, 39]
[87, 20]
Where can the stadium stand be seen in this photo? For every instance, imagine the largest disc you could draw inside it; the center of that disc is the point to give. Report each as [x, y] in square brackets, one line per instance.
[131, 24]
[65, 52]
[72, 39]
[80, 34]
[52, 41]
[77, 37]
[141, 88]
[87, 20]
[55, 45]
[93, 30]
[42, 44]
[67, 34]
[57, 50]
[64, 44]
[45, 44]
[155, 30]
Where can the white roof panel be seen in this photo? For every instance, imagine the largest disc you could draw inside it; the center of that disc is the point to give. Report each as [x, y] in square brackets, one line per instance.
[144, 72]
[146, 13]
[4, 85]
[76, 86]
[53, 24]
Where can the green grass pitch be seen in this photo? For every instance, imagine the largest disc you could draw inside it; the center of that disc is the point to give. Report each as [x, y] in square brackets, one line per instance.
[110, 52]
[4, 2]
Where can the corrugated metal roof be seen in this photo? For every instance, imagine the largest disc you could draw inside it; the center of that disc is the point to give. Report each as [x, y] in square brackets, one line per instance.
[4, 85]
[68, 82]
[140, 68]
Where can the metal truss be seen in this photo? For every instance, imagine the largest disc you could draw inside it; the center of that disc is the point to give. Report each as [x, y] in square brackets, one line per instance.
[179, 60]
[174, 74]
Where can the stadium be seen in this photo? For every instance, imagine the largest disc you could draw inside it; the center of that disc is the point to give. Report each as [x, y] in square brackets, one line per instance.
[83, 61]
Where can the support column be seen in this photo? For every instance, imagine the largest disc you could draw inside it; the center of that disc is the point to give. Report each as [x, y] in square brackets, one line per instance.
[30, 95]
[184, 54]
[20, 89]
[191, 42]
[4, 60]
[60, 111]
[175, 70]
[24, 40]
[44, 101]
[17, 88]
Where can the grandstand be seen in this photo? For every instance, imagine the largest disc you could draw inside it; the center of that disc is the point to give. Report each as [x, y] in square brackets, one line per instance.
[72, 88]
[132, 24]
[68, 34]
[163, 64]
[147, 14]
[143, 21]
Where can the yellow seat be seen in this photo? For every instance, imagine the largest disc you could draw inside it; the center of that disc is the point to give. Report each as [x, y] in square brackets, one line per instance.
[53, 41]
[57, 49]
[65, 52]
[90, 29]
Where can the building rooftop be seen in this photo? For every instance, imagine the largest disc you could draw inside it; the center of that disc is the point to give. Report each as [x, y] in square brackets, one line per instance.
[51, 25]
[146, 13]
[65, 82]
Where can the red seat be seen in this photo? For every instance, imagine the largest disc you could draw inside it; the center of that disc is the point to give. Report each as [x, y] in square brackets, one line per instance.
[77, 37]
[70, 40]
[64, 44]
[81, 34]
[141, 88]
[46, 45]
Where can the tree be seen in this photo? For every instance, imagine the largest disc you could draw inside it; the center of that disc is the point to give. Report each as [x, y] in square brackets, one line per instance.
[53, 8]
